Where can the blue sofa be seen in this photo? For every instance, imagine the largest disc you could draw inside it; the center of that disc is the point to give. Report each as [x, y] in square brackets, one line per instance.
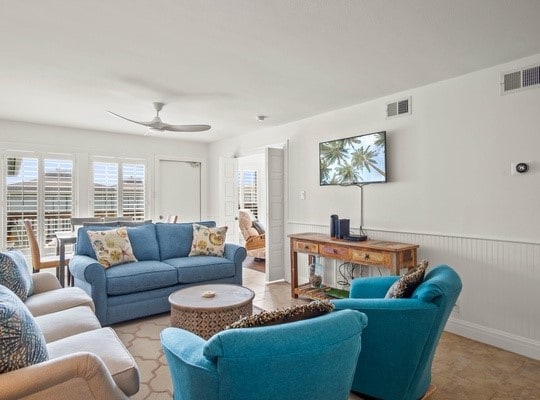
[310, 359]
[142, 288]
[399, 344]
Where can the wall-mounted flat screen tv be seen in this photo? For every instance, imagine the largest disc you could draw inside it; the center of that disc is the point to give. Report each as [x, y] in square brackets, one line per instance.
[354, 160]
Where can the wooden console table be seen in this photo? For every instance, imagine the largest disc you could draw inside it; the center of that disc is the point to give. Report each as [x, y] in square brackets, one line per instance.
[380, 253]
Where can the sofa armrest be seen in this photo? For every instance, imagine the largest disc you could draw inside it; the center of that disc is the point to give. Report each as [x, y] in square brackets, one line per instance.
[194, 376]
[372, 287]
[74, 376]
[235, 253]
[45, 282]
[90, 276]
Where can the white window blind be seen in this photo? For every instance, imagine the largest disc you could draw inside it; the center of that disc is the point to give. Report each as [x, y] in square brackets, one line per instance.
[133, 194]
[105, 176]
[40, 190]
[249, 191]
[119, 189]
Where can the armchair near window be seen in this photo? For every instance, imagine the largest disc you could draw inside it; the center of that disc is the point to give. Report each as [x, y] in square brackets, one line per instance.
[255, 239]
[308, 359]
[399, 344]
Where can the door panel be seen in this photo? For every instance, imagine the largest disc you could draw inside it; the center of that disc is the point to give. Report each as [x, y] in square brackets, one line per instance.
[179, 191]
[275, 234]
[229, 197]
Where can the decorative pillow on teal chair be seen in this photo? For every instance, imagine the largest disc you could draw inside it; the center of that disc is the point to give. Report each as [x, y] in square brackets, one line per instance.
[22, 342]
[284, 315]
[404, 286]
[15, 274]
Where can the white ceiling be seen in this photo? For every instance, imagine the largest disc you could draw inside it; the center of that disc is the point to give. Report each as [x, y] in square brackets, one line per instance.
[223, 62]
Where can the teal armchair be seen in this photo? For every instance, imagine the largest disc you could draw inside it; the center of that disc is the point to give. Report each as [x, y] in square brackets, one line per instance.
[310, 359]
[399, 344]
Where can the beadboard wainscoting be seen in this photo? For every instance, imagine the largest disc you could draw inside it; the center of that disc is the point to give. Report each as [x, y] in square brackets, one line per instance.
[500, 300]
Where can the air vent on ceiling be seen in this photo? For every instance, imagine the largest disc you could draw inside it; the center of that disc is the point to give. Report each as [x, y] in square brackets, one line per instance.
[521, 79]
[399, 107]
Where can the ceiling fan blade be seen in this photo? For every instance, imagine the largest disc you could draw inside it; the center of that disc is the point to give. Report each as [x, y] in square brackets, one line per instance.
[186, 128]
[149, 124]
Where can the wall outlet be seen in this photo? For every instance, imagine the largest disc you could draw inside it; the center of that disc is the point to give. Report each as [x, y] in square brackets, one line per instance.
[302, 194]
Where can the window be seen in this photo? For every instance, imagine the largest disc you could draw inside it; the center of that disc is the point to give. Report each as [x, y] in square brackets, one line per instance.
[39, 189]
[247, 183]
[119, 189]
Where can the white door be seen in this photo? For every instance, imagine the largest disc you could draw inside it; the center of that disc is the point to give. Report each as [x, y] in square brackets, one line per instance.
[179, 190]
[228, 211]
[275, 232]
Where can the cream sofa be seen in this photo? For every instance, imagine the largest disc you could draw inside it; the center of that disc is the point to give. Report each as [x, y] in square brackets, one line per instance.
[85, 361]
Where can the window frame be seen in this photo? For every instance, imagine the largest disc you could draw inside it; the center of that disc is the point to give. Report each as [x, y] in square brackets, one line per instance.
[120, 161]
[41, 157]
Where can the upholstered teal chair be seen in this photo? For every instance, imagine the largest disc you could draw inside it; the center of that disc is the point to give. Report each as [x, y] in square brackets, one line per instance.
[310, 359]
[399, 344]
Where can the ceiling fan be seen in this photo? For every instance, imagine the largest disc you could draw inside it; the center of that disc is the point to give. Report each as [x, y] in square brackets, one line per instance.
[158, 125]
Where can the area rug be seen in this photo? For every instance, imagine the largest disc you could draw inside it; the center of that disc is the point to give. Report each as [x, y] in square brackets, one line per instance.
[141, 337]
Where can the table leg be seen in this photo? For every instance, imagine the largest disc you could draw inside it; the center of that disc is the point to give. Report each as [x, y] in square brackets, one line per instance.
[294, 273]
[61, 268]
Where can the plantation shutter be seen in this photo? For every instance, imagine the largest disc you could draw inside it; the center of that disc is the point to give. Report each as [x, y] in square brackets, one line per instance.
[40, 190]
[21, 198]
[119, 189]
[105, 198]
[57, 198]
[133, 193]
[249, 191]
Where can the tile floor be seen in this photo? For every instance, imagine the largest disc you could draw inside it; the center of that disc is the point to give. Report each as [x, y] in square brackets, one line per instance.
[463, 369]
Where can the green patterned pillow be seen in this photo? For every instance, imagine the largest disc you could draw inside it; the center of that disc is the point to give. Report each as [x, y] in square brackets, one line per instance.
[404, 286]
[112, 247]
[284, 315]
[15, 274]
[21, 341]
[208, 241]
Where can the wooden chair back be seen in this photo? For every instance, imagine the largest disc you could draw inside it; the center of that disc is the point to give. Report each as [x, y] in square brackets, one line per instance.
[171, 219]
[34, 246]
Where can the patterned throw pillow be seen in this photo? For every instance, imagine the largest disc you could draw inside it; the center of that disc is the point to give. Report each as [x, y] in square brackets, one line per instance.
[208, 241]
[404, 286]
[15, 274]
[284, 315]
[22, 342]
[112, 247]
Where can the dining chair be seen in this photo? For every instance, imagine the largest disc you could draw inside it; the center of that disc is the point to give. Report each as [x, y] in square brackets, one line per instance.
[171, 219]
[40, 262]
[77, 222]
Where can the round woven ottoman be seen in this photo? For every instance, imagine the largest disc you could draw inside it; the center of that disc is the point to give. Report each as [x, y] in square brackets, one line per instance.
[207, 309]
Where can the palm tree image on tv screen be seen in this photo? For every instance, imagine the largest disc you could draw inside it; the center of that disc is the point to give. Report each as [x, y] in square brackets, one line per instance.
[355, 160]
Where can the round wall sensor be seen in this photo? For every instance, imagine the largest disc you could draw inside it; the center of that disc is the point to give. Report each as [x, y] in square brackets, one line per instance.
[522, 167]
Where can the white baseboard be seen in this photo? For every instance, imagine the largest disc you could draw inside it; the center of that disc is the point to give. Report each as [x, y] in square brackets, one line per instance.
[516, 344]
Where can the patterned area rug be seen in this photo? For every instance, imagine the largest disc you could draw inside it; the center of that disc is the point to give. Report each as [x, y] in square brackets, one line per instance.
[141, 337]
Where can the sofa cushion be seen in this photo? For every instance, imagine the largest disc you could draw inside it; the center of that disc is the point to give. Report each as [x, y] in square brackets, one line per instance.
[284, 315]
[202, 268]
[208, 241]
[15, 273]
[22, 342]
[57, 300]
[106, 345]
[61, 324]
[175, 239]
[139, 277]
[405, 286]
[143, 241]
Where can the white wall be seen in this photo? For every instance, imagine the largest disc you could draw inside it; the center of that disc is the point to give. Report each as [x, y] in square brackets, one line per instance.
[84, 144]
[450, 190]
